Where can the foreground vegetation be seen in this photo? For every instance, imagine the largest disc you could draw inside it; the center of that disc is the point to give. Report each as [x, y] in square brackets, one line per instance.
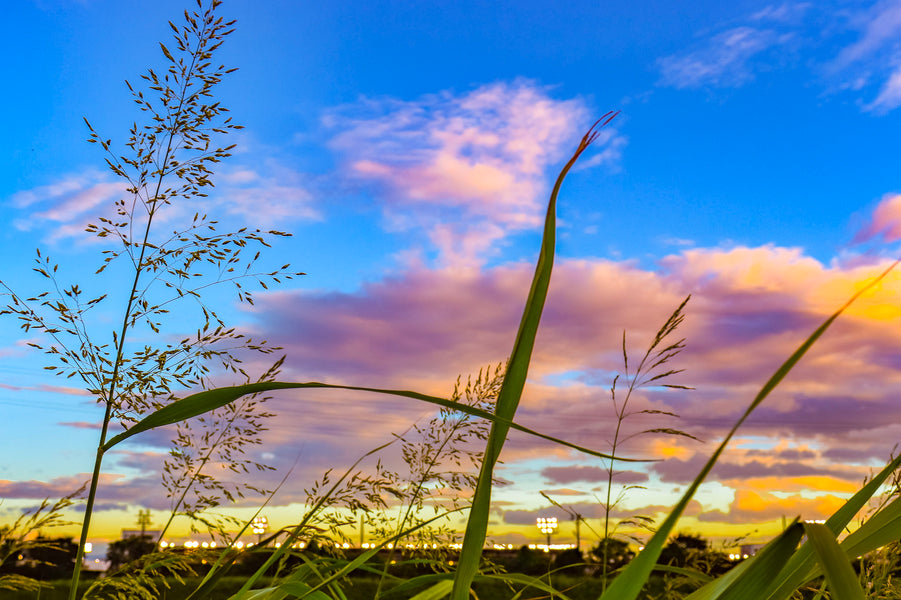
[361, 588]
[140, 387]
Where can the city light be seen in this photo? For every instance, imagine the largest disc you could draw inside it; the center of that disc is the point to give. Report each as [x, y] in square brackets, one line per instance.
[547, 525]
[259, 525]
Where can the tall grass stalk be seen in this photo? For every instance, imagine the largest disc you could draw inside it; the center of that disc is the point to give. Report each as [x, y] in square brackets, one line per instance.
[170, 159]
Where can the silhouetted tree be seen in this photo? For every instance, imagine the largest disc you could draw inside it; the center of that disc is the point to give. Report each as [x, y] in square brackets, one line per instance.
[618, 554]
[570, 561]
[529, 562]
[681, 549]
[47, 559]
[129, 549]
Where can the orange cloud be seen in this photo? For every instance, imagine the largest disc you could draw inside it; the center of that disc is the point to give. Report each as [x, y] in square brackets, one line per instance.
[752, 507]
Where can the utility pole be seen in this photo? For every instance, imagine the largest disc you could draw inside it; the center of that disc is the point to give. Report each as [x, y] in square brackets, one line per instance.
[143, 521]
[578, 519]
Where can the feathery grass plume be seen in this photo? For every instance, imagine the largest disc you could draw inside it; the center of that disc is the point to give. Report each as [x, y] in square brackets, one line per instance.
[24, 535]
[169, 160]
[145, 578]
[442, 463]
[629, 583]
[653, 370]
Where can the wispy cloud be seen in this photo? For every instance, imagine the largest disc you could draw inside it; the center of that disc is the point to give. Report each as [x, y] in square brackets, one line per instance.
[874, 59]
[869, 66]
[728, 59]
[265, 196]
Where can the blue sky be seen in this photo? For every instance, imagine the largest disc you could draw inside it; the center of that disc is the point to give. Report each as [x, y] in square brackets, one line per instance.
[410, 147]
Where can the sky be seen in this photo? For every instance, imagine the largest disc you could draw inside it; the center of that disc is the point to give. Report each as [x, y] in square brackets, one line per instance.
[410, 148]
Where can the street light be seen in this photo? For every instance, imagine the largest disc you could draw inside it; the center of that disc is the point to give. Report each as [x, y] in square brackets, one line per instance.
[259, 525]
[547, 527]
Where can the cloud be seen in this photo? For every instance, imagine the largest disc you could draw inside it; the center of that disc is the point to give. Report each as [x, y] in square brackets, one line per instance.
[755, 507]
[881, 27]
[269, 195]
[266, 196]
[750, 309]
[574, 473]
[771, 37]
[726, 60]
[54, 389]
[788, 12]
[674, 470]
[873, 59]
[885, 222]
[468, 166]
[66, 206]
[81, 425]
[563, 492]
[889, 97]
[593, 510]
[55, 488]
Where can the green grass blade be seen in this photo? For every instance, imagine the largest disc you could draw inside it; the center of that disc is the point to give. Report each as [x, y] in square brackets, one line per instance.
[751, 578]
[527, 581]
[436, 592]
[880, 529]
[840, 577]
[202, 402]
[803, 566]
[628, 585]
[407, 586]
[298, 529]
[291, 589]
[718, 586]
[512, 386]
[686, 572]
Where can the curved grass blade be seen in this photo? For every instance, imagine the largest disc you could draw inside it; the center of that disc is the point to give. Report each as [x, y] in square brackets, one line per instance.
[749, 580]
[628, 585]
[514, 381]
[436, 592]
[292, 589]
[686, 572]
[407, 586]
[203, 402]
[218, 570]
[802, 567]
[840, 577]
[882, 528]
[365, 556]
[528, 582]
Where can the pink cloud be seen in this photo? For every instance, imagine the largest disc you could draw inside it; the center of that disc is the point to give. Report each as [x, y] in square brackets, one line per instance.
[55, 389]
[885, 221]
[485, 152]
[82, 425]
[751, 308]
